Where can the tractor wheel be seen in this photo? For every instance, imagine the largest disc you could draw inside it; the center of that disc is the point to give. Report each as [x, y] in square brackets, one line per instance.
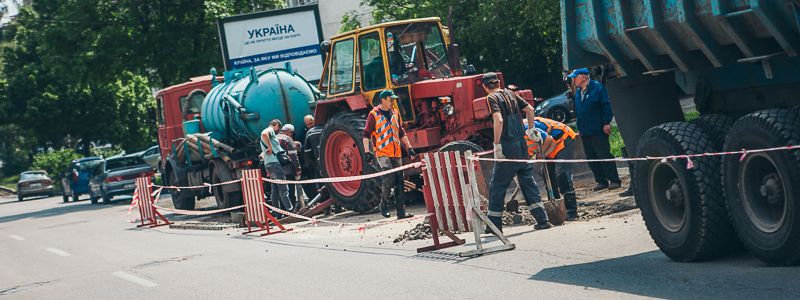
[341, 154]
[184, 199]
[225, 195]
[763, 189]
[716, 128]
[683, 208]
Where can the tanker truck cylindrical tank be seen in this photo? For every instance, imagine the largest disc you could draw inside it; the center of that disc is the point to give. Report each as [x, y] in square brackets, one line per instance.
[272, 94]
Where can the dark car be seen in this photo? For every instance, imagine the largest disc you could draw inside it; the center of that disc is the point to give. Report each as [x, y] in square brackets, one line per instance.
[117, 176]
[34, 183]
[76, 177]
[557, 108]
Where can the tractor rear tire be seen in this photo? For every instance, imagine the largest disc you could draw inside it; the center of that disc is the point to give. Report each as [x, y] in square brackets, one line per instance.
[763, 189]
[683, 209]
[716, 128]
[342, 154]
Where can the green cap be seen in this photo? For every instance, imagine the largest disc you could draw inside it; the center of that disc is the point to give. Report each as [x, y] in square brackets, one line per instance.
[387, 93]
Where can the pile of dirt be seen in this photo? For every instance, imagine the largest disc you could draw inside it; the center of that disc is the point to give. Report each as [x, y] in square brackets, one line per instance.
[594, 209]
[420, 232]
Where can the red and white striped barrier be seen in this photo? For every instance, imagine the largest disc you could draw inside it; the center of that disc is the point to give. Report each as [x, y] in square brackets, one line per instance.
[452, 198]
[143, 198]
[254, 212]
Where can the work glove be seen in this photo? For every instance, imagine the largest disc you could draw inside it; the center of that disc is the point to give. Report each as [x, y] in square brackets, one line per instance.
[411, 152]
[534, 135]
[498, 151]
[370, 157]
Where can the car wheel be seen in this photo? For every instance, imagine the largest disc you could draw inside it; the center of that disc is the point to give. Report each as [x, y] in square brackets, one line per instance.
[559, 114]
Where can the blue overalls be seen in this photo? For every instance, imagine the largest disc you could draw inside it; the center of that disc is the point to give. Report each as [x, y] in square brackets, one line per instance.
[514, 147]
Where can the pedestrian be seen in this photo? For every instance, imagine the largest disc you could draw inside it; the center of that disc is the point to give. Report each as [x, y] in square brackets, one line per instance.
[308, 160]
[384, 134]
[270, 150]
[292, 170]
[507, 110]
[593, 110]
[557, 144]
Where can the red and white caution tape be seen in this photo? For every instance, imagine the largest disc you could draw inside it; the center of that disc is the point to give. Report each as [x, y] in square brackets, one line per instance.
[345, 178]
[361, 227]
[197, 212]
[205, 185]
[689, 164]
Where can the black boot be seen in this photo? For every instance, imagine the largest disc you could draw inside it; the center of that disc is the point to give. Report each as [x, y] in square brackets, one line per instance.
[384, 210]
[571, 203]
[541, 218]
[498, 222]
[401, 213]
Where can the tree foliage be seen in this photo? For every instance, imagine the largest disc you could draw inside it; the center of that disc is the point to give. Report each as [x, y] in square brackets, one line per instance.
[520, 38]
[54, 163]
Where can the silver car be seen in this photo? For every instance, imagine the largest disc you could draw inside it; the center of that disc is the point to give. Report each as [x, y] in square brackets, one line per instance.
[117, 176]
[34, 183]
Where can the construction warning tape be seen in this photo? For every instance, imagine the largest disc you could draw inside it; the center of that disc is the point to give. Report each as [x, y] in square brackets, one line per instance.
[345, 178]
[361, 227]
[205, 185]
[197, 212]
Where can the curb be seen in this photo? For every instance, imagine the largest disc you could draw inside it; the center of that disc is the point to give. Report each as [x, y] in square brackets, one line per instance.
[7, 190]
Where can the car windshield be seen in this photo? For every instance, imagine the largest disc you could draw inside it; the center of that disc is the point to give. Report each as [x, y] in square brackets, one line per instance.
[124, 163]
[416, 52]
[32, 176]
[88, 165]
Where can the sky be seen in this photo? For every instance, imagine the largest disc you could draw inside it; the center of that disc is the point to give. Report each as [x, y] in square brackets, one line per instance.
[11, 7]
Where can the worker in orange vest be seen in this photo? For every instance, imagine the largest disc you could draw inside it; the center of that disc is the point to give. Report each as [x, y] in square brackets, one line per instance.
[557, 141]
[384, 134]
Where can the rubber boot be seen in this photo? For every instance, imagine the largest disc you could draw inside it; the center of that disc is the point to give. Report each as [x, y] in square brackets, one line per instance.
[541, 218]
[571, 203]
[497, 221]
[401, 213]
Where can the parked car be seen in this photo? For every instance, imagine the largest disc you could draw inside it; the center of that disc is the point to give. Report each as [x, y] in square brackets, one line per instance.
[76, 177]
[34, 183]
[151, 156]
[117, 176]
[558, 108]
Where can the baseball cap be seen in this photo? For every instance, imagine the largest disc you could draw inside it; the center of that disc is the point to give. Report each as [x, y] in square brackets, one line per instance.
[288, 127]
[576, 72]
[387, 93]
[490, 77]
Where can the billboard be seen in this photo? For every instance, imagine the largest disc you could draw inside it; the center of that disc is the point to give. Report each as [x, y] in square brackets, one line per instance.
[270, 39]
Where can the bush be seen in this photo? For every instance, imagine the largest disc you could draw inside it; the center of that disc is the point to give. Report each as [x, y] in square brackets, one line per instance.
[54, 163]
[106, 152]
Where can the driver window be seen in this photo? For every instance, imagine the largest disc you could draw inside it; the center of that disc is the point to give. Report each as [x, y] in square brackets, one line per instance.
[373, 74]
[192, 103]
[342, 67]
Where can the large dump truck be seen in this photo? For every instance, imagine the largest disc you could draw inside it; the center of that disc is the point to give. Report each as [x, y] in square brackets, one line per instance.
[738, 60]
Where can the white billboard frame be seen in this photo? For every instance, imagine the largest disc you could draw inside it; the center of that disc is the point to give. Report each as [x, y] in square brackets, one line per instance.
[308, 59]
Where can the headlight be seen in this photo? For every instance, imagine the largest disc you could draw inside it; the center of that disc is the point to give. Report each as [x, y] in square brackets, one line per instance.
[449, 110]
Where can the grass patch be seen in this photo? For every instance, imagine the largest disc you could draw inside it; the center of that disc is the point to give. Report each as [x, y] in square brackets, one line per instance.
[615, 139]
[10, 182]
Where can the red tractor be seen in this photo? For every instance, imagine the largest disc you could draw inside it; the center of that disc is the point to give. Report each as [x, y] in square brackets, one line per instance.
[442, 107]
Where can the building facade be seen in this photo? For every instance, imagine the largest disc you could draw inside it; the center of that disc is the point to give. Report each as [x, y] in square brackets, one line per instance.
[332, 11]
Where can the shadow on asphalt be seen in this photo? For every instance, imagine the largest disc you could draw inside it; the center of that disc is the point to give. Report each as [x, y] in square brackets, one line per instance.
[651, 274]
[63, 209]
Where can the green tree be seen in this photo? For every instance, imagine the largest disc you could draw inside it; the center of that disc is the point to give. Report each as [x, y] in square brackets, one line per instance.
[349, 21]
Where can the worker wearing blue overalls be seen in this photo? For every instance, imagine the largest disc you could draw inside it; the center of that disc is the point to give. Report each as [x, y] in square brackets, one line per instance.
[507, 110]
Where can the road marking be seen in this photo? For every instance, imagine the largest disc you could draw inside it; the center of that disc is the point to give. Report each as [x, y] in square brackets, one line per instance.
[16, 237]
[135, 279]
[58, 252]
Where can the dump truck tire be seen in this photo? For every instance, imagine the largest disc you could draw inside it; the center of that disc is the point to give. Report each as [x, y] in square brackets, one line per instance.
[763, 189]
[342, 154]
[683, 208]
[716, 128]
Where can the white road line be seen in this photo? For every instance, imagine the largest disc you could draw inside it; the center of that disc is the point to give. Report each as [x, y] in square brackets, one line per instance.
[135, 279]
[58, 252]
[16, 237]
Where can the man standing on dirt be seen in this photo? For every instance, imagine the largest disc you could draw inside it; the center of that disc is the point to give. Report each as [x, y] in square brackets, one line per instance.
[557, 144]
[384, 133]
[593, 111]
[507, 110]
[270, 149]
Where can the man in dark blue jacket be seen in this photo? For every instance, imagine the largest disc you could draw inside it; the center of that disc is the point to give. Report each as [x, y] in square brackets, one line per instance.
[593, 110]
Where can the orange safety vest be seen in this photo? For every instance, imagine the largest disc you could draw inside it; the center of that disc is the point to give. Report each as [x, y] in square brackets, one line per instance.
[386, 135]
[551, 125]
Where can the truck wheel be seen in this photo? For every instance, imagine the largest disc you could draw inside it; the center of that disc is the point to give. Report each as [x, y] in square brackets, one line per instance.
[763, 189]
[225, 196]
[341, 154]
[716, 128]
[683, 209]
[184, 200]
[19, 197]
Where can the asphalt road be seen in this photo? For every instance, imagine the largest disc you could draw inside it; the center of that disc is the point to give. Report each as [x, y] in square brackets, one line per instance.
[53, 250]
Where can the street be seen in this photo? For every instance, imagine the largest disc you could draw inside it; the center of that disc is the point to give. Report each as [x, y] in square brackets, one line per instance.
[55, 250]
